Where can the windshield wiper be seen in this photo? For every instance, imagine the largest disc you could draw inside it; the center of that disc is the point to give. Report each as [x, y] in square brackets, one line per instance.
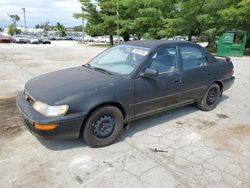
[88, 66]
[101, 69]
[97, 68]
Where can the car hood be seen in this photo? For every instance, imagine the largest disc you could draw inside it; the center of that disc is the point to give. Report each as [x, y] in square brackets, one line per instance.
[54, 87]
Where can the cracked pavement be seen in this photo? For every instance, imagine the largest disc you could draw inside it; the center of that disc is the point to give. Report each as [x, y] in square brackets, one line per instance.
[183, 147]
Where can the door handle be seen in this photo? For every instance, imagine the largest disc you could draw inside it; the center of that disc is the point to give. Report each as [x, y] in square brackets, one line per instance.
[177, 81]
[208, 73]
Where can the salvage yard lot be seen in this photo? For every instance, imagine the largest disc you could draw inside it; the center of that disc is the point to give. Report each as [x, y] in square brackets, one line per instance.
[184, 147]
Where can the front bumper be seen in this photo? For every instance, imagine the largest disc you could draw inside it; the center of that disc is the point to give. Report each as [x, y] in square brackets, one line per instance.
[68, 126]
[228, 83]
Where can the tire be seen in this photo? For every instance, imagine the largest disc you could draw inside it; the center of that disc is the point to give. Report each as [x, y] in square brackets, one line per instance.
[211, 98]
[103, 126]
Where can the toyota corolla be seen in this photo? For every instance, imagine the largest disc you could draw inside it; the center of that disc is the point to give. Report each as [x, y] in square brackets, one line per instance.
[126, 82]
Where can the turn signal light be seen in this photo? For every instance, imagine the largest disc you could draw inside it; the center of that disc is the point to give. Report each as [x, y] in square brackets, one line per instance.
[45, 127]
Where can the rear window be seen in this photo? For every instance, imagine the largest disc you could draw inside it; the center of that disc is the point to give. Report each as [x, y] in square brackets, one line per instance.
[191, 57]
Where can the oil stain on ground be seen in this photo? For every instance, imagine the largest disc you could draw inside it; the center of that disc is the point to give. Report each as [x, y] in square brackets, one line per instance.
[222, 116]
[205, 124]
[79, 179]
[10, 124]
[227, 138]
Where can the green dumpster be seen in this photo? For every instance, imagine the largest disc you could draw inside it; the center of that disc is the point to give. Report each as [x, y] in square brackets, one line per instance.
[232, 43]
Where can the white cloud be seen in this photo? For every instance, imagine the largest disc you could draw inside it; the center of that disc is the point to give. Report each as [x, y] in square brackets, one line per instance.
[38, 11]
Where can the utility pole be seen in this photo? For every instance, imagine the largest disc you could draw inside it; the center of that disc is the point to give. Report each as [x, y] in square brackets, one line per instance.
[83, 23]
[117, 25]
[24, 18]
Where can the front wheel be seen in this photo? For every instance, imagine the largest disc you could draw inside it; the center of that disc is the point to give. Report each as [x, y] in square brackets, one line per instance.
[103, 126]
[211, 98]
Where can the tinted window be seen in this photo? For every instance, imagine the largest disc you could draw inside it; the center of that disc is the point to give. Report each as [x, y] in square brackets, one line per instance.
[165, 60]
[191, 57]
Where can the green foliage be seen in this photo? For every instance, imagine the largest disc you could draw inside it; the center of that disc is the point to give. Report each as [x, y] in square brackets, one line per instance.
[165, 18]
[14, 18]
[77, 28]
[46, 26]
[60, 29]
[13, 30]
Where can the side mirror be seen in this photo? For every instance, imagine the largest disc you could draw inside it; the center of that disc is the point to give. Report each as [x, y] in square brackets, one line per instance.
[149, 73]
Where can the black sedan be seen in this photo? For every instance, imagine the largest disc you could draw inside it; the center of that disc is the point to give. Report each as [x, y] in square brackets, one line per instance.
[126, 82]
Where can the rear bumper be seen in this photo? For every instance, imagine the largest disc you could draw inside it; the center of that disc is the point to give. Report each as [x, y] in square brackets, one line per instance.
[68, 126]
[228, 83]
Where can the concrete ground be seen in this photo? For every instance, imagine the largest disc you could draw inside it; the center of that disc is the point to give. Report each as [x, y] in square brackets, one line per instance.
[179, 148]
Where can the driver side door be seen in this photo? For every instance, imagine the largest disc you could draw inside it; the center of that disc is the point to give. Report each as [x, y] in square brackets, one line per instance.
[153, 94]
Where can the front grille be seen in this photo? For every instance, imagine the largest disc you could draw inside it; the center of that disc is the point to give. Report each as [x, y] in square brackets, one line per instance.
[28, 98]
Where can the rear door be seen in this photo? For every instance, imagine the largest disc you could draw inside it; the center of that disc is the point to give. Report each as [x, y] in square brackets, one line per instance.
[197, 72]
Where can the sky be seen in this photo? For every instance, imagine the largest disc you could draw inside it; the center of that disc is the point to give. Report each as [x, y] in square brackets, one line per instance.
[40, 11]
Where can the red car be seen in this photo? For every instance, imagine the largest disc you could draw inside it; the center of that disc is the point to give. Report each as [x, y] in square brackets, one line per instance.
[4, 39]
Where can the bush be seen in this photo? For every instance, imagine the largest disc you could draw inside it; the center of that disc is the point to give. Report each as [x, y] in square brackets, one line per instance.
[13, 30]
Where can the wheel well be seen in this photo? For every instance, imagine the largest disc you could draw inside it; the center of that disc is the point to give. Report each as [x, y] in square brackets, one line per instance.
[220, 85]
[116, 104]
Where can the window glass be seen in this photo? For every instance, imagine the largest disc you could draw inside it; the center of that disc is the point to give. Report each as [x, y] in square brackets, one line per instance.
[191, 57]
[164, 60]
[122, 59]
[118, 55]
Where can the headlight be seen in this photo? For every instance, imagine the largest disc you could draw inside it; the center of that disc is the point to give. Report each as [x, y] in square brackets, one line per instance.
[50, 110]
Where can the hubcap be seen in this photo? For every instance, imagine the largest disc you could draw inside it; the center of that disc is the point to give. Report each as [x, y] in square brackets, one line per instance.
[211, 96]
[104, 126]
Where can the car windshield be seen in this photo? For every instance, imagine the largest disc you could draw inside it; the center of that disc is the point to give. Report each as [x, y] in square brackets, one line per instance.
[122, 59]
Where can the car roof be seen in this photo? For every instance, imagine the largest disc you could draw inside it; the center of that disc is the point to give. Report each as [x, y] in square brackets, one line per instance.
[152, 44]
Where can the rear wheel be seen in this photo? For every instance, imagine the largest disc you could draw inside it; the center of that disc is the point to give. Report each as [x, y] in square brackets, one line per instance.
[103, 126]
[211, 98]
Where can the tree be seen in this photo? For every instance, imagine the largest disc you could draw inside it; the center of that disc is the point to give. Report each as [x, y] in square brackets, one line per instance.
[46, 26]
[236, 15]
[13, 27]
[14, 18]
[165, 18]
[77, 28]
[101, 17]
[12, 30]
[183, 19]
[60, 29]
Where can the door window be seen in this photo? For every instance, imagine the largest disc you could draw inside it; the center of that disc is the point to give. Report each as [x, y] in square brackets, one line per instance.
[192, 57]
[165, 60]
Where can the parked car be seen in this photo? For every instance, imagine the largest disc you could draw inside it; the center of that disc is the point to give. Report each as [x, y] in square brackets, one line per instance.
[104, 39]
[96, 39]
[32, 39]
[20, 39]
[5, 39]
[116, 40]
[44, 40]
[124, 83]
[89, 39]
